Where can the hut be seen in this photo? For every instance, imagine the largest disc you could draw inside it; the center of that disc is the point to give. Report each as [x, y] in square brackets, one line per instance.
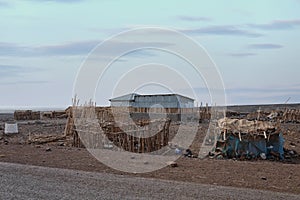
[177, 107]
[27, 115]
[154, 100]
[244, 139]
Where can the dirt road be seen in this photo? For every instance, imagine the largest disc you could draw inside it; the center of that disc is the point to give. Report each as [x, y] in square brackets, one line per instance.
[32, 182]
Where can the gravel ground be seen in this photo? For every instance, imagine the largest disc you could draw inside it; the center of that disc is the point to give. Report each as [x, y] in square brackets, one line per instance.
[32, 182]
[262, 175]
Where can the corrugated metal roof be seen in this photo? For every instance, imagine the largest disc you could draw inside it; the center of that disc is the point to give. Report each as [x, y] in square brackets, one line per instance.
[127, 97]
[131, 96]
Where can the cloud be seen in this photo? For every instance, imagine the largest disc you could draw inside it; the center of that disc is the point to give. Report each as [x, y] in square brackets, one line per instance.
[72, 48]
[7, 71]
[4, 4]
[11, 49]
[229, 30]
[123, 46]
[265, 95]
[19, 75]
[265, 46]
[264, 90]
[142, 53]
[6, 48]
[242, 54]
[57, 1]
[239, 30]
[24, 82]
[193, 18]
[277, 25]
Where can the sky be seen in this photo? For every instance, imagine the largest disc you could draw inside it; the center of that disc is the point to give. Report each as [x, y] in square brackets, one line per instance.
[44, 43]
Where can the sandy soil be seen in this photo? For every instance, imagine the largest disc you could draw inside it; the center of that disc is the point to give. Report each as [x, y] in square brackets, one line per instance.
[266, 175]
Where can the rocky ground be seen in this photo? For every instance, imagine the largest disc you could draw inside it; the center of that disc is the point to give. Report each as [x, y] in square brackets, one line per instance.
[281, 176]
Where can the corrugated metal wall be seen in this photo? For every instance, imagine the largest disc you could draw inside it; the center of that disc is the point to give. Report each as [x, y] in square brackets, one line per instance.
[166, 101]
[156, 101]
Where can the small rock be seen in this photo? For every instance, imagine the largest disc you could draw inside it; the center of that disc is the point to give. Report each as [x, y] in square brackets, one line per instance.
[172, 164]
[1, 138]
[38, 146]
[2, 156]
[291, 152]
[146, 163]
[5, 142]
[292, 144]
[211, 154]
[287, 156]
[264, 178]
[61, 144]
[48, 149]
[132, 157]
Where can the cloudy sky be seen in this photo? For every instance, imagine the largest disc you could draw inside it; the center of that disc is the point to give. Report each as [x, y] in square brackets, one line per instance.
[255, 44]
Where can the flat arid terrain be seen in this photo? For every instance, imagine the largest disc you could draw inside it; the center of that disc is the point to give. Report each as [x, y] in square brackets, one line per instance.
[279, 176]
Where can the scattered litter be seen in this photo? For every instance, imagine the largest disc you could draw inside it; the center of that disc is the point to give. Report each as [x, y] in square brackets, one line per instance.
[288, 154]
[263, 156]
[108, 146]
[11, 128]
[291, 152]
[48, 149]
[177, 151]
[188, 153]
